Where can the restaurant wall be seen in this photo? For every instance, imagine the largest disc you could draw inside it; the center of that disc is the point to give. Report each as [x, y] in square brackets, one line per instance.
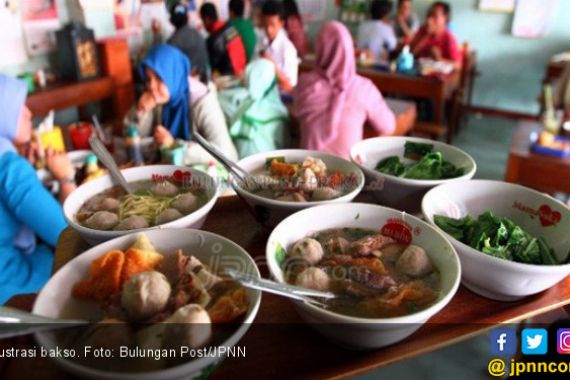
[511, 68]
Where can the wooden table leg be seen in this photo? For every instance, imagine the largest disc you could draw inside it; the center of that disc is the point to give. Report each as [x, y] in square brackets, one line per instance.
[513, 169]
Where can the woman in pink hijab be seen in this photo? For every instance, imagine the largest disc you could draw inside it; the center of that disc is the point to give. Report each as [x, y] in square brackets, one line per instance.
[332, 103]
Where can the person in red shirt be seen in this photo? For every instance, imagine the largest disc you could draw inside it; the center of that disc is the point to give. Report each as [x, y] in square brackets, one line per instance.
[225, 46]
[434, 40]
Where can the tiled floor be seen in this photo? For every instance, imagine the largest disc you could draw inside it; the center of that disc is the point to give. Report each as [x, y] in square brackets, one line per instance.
[487, 140]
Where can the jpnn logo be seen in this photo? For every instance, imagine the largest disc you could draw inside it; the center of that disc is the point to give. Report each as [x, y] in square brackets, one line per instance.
[503, 342]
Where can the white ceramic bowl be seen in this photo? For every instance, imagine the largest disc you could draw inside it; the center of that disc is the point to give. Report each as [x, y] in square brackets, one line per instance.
[80, 195]
[489, 276]
[365, 333]
[401, 193]
[270, 212]
[217, 252]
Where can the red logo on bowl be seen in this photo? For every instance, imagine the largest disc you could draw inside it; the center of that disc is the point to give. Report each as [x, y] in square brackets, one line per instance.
[398, 230]
[547, 216]
[178, 176]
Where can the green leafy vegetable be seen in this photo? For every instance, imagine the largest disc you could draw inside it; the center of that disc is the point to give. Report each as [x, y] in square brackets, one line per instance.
[269, 160]
[498, 237]
[429, 164]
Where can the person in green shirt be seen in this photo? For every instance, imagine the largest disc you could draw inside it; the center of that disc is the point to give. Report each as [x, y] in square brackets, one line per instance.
[243, 26]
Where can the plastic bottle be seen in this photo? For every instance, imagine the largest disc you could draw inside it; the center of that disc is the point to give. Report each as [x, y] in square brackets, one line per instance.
[405, 60]
[134, 149]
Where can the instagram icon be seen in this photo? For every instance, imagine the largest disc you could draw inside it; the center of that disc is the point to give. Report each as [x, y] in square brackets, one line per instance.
[563, 341]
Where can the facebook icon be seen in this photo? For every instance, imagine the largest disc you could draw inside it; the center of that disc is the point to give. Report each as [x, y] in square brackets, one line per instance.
[503, 342]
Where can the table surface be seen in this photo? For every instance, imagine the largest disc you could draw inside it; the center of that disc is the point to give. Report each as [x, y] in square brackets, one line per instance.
[278, 335]
[544, 173]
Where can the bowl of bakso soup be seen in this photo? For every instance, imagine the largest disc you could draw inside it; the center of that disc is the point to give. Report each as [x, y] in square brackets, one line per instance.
[285, 181]
[159, 304]
[389, 271]
[512, 241]
[399, 170]
[164, 196]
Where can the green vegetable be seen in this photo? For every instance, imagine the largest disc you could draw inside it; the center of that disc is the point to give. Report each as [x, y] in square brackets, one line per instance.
[498, 237]
[429, 165]
[269, 160]
[415, 151]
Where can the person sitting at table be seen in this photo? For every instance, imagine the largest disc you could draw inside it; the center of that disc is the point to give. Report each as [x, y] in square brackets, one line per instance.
[258, 118]
[434, 39]
[294, 27]
[406, 22]
[377, 35]
[333, 103]
[277, 47]
[168, 98]
[27, 210]
[225, 46]
[243, 26]
[189, 40]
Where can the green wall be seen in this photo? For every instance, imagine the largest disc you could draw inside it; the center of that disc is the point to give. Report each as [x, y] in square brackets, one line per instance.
[511, 68]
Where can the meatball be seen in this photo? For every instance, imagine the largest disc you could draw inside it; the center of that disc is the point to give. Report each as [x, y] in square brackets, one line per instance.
[108, 204]
[309, 250]
[186, 203]
[132, 223]
[102, 220]
[164, 189]
[308, 180]
[189, 326]
[414, 261]
[145, 295]
[293, 197]
[167, 215]
[324, 194]
[313, 278]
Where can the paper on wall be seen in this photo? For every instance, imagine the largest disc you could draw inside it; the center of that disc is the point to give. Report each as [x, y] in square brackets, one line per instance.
[313, 10]
[533, 18]
[40, 21]
[497, 5]
[12, 43]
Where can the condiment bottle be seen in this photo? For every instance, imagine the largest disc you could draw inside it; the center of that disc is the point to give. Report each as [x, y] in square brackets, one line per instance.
[92, 169]
[133, 143]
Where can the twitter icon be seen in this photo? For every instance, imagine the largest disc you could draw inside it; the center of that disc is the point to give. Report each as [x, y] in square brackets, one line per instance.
[534, 341]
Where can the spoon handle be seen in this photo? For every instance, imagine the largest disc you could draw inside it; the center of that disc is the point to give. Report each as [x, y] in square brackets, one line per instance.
[15, 322]
[103, 154]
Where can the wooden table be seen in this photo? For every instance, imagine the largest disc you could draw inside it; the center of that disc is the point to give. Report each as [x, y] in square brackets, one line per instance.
[544, 173]
[280, 345]
[554, 70]
[65, 95]
[437, 89]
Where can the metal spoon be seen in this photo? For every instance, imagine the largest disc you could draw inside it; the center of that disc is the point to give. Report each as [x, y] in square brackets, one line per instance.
[284, 290]
[105, 157]
[15, 322]
[248, 182]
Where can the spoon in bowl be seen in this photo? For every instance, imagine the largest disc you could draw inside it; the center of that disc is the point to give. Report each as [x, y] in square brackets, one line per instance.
[284, 290]
[15, 322]
[105, 157]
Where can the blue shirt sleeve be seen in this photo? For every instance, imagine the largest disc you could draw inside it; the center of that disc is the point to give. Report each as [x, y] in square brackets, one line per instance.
[25, 196]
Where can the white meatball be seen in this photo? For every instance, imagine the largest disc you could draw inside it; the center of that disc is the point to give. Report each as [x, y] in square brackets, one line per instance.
[145, 295]
[186, 203]
[308, 180]
[102, 220]
[167, 215]
[309, 250]
[188, 326]
[414, 261]
[313, 278]
[108, 204]
[165, 189]
[132, 223]
[324, 194]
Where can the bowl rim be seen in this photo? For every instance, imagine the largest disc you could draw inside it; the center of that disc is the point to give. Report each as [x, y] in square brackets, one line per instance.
[415, 317]
[301, 205]
[113, 233]
[177, 370]
[408, 181]
[474, 252]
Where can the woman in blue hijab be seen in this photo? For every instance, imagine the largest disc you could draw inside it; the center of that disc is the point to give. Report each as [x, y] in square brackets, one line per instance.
[27, 210]
[175, 104]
